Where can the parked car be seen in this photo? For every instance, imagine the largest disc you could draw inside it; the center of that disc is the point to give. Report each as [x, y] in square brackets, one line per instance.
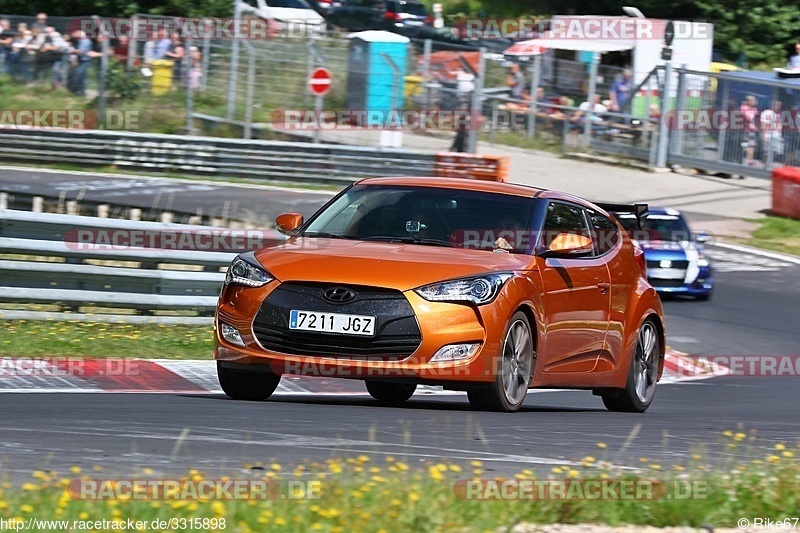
[676, 262]
[484, 287]
[293, 17]
[358, 15]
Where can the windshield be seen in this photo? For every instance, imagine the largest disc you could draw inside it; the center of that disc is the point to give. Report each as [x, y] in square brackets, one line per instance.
[292, 4]
[657, 228]
[429, 216]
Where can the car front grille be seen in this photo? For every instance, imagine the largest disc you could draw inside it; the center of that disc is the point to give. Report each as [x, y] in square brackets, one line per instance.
[682, 264]
[397, 333]
[666, 283]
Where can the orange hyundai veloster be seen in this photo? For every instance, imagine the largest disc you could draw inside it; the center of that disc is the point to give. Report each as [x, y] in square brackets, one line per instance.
[489, 288]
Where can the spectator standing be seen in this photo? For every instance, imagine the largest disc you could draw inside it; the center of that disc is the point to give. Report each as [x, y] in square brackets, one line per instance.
[19, 53]
[771, 134]
[84, 53]
[749, 111]
[597, 108]
[162, 46]
[6, 38]
[41, 22]
[149, 51]
[196, 73]
[621, 91]
[176, 53]
[516, 81]
[121, 49]
[794, 60]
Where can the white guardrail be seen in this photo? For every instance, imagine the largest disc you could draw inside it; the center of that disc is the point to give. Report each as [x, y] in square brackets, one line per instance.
[213, 156]
[45, 258]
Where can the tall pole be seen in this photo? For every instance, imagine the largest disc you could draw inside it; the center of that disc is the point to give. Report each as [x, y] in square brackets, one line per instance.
[237, 15]
[476, 102]
[663, 137]
[587, 126]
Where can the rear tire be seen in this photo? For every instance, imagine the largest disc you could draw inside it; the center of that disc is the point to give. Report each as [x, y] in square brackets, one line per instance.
[514, 370]
[246, 385]
[390, 393]
[640, 389]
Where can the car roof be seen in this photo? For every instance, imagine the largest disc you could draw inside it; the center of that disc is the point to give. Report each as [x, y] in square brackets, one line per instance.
[514, 189]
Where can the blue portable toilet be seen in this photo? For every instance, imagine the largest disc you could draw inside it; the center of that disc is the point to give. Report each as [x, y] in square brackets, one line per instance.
[376, 72]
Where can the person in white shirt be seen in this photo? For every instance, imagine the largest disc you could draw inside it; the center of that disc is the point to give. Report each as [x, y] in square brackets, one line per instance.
[771, 135]
[578, 118]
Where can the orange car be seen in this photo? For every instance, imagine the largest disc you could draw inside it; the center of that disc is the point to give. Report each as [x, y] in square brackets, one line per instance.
[490, 288]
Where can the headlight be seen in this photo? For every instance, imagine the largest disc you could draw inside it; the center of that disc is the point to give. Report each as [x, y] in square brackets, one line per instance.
[478, 290]
[246, 273]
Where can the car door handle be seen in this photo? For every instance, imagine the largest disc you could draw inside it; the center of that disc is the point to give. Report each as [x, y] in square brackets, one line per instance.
[603, 286]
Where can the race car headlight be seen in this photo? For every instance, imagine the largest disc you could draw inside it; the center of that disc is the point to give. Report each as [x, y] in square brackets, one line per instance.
[244, 272]
[478, 290]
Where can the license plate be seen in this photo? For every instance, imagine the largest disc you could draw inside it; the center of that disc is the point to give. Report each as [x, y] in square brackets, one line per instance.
[666, 273]
[331, 322]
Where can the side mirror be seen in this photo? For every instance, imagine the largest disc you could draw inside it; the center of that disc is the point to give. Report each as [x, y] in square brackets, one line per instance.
[702, 237]
[288, 222]
[570, 245]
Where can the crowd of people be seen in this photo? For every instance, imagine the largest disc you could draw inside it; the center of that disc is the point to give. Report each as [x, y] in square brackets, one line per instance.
[37, 53]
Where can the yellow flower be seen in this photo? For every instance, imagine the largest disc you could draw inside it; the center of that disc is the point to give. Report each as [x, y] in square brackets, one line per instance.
[413, 496]
[435, 473]
[218, 508]
[602, 445]
[75, 470]
[280, 521]
[773, 459]
[740, 436]
[84, 515]
[30, 486]
[476, 464]
[316, 526]
[574, 473]
[26, 508]
[589, 459]
[728, 433]
[557, 470]
[780, 446]
[275, 466]
[455, 468]
[787, 454]
[697, 457]
[363, 459]
[655, 467]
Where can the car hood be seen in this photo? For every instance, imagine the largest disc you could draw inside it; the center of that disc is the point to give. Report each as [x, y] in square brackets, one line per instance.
[381, 264]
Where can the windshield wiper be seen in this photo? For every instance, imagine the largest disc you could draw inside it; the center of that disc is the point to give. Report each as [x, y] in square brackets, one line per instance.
[410, 240]
[325, 235]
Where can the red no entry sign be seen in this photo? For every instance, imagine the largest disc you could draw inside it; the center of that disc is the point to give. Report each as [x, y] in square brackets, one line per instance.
[319, 82]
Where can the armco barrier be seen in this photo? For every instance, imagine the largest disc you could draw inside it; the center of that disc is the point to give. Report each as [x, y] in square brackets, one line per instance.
[128, 277]
[473, 166]
[786, 192]
[214, 156]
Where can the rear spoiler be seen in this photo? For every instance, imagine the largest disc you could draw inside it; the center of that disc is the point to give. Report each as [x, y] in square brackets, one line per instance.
[638, 210]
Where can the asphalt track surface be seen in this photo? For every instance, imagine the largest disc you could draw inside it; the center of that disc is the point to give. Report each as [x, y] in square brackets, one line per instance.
[257, 204]
[754, 312]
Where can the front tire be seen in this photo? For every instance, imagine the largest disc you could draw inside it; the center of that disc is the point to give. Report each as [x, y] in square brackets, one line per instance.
[390, 393]
[245, 385]
[514, 371]
[640, 388]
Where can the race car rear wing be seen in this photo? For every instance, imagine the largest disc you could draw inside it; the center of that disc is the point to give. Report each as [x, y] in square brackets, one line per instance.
[638, 210]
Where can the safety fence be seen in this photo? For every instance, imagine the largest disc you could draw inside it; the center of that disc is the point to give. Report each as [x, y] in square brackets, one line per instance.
[77, 262]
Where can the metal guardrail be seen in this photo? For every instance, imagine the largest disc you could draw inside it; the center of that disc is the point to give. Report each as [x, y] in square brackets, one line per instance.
[128, 277]
[267, 160]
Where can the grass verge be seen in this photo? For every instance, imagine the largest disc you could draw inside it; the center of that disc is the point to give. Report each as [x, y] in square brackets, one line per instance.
[776, 233]
[26, 338]
[362, 494]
